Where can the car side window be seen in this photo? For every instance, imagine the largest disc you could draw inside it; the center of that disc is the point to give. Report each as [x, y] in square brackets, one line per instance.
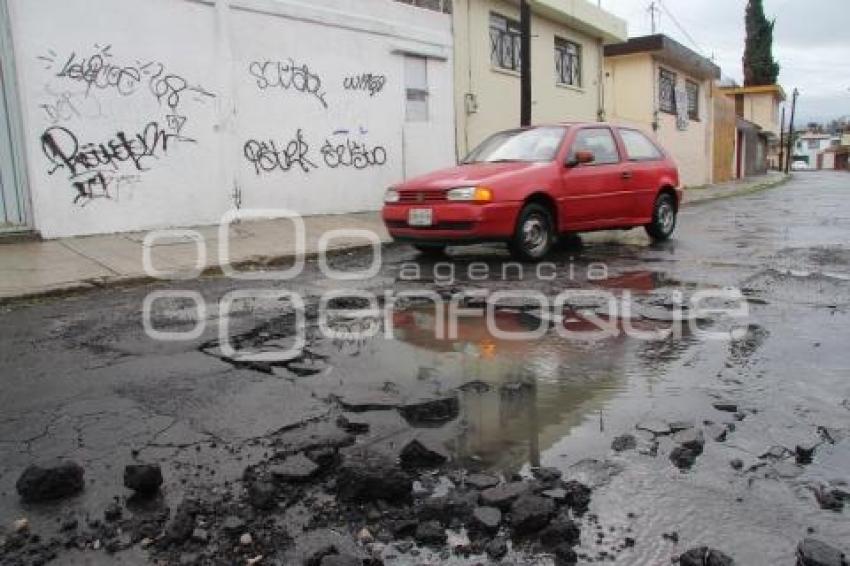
[639, 147]
[600, 141]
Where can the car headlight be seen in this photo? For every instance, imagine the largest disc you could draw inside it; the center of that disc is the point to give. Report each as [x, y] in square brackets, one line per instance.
[474, 194]
[391, 196]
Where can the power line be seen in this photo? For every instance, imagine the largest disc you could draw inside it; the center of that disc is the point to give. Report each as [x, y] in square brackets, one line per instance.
[681, 27]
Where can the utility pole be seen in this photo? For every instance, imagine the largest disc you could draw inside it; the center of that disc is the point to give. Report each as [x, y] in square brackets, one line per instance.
[782, 141]
[653, 9]
[791, 130]
[525, 64]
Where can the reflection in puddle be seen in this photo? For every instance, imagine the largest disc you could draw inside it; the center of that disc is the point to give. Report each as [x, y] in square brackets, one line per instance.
[520, 397]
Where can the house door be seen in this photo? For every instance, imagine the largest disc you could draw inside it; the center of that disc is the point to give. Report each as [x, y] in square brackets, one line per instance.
[13, 198]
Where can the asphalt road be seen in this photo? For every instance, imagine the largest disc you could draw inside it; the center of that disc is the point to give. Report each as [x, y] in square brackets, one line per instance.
[82, 380]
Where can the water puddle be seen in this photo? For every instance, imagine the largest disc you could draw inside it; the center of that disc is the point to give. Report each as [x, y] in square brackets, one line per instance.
[523, 375]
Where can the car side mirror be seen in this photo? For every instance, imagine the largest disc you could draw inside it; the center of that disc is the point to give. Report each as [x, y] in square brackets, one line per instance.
[581, 157]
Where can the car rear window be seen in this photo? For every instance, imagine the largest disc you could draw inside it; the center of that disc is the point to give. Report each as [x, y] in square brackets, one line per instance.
[639, 147]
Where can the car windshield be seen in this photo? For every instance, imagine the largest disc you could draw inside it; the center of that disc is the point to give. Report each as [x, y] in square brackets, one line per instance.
[535, 144]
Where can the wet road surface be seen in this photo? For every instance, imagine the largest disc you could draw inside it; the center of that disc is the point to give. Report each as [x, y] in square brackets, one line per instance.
[82, 380]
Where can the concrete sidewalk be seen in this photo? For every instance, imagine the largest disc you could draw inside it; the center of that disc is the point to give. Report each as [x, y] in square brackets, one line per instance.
[38, 268]
[707, 193]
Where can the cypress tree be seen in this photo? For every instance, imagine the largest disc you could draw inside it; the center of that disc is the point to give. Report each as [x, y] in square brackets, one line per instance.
[759, 66]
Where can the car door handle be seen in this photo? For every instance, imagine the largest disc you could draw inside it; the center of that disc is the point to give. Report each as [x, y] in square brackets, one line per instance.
[626, 174]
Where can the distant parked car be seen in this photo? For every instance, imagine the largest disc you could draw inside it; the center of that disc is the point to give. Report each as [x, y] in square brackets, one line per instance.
[528, 186]
[799, 165]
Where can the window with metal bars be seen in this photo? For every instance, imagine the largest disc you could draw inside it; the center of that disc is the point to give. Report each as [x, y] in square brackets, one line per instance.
[693, 99]
[667, 91]
[567, 62]
[505, 50]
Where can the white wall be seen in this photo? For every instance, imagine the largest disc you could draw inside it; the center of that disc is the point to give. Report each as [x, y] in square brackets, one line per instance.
[210, 105]
[802, 149]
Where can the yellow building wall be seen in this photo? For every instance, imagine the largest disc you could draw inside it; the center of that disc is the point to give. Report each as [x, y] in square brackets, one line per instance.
[725, 138]
[497, 91]
[762, 109]
[631, 98]
[629, 89]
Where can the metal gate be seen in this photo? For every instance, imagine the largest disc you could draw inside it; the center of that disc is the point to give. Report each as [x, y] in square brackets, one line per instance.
[14, 203]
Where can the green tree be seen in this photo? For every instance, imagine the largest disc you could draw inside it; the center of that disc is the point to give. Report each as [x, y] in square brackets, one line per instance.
[759, 66]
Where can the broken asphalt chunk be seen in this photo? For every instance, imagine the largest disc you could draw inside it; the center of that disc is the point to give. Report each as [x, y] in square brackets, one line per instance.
[704, 556]
[366, 475]
[813, 552]
[829, 499]
[530, 513]
[691, 438]
[654, 426]
[430, 533]
[144, 479]
[431, 413]
[503, 495]
[624, 442]
[422, 454]
[561, 531]
[683, 458]
[804, 454]
[46, 483]
[262, 495]
[578, 496]
[496, 548]
[487, 518]
[297, 468]
[481, 481]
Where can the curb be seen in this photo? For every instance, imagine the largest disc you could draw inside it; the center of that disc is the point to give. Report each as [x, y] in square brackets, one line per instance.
[83, 286]
[755, 188]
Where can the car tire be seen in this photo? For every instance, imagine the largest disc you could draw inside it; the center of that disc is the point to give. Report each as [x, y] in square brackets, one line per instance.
[534, 234]
[431, 250]
[663, 218]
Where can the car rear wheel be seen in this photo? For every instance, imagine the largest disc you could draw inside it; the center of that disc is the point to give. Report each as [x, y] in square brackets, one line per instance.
[534, 234]
[430, 249]
[663, 218]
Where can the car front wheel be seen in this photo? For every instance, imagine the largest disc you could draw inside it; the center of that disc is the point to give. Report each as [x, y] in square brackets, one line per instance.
[663, 218]
[534, 234]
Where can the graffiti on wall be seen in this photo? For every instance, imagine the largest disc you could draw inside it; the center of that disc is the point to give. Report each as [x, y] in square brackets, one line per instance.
[341, 151]
[367, 82]
[288, 75]
[98, 169]
[65, 105]
[351, 153]
[93, 168]
[83, 83]
[267, 156]
[98, 70]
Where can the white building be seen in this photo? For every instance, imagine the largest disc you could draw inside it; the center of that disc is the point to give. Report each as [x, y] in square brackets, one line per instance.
[130, 114]
[809, 147]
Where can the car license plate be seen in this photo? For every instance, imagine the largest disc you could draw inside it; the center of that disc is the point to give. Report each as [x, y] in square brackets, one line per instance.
[420, 216]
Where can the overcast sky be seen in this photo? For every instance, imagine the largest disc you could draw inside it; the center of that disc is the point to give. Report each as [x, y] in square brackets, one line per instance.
[810, 41]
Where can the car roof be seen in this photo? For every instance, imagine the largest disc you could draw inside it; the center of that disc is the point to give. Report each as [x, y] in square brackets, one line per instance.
[582, 124]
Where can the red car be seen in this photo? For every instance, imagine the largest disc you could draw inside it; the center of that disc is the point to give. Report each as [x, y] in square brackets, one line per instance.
[530, 185]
